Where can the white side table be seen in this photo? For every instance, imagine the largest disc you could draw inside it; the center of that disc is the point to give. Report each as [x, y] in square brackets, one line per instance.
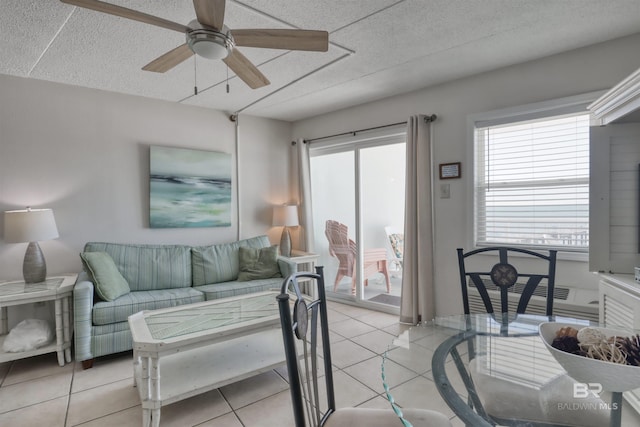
[306, 261]
[58, 289]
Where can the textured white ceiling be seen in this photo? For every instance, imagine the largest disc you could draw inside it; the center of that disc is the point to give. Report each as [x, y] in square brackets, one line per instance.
[377, 48]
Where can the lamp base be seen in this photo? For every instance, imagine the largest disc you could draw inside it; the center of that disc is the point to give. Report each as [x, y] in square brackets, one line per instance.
[285, 242]
[34, 268]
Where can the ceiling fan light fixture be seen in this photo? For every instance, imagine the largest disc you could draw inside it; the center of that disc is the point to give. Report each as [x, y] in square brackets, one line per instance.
[210, 49]
[208, 42]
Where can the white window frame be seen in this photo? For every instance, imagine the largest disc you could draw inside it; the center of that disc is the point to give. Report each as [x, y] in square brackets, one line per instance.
[525, 112]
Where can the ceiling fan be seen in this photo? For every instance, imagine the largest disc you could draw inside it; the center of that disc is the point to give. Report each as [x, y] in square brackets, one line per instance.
[207, 36]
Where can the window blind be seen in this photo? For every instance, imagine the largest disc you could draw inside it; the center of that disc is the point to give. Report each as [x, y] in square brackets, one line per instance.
[523, 360]
[532, 183]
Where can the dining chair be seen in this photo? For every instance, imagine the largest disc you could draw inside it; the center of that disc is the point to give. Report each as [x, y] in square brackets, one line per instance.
[305, 332]
[345, 250]
[504, 277]
[520, 272]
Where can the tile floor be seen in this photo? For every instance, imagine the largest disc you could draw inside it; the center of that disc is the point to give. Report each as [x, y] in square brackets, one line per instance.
[37, 392]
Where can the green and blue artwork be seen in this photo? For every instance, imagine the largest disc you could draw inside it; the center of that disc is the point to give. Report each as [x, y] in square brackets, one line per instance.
[189, 188]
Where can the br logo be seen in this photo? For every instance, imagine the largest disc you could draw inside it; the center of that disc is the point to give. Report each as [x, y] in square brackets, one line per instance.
[582, 390]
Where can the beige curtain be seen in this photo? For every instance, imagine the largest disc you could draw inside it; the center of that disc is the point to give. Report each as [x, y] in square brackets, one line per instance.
[304, 197]
[417, 303]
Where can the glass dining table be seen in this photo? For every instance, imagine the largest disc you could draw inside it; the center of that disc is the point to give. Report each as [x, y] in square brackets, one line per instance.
[496, 370]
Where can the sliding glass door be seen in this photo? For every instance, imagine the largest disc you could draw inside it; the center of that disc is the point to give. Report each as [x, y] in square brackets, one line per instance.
[382, 217]
[358, 212]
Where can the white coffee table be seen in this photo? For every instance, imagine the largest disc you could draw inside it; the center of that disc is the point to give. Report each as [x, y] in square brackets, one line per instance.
[184, 351]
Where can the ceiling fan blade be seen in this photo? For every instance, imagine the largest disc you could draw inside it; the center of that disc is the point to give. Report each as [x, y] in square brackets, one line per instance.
[244, 69]
[169, 60]
[210, 12]
[124, 12]
[312, 40]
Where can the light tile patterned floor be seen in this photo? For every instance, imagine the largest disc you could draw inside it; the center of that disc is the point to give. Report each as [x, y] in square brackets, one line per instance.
[37, 392]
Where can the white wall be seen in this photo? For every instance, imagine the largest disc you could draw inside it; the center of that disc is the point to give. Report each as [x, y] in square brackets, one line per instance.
[584, 70]
[85, 154]
[264, 169]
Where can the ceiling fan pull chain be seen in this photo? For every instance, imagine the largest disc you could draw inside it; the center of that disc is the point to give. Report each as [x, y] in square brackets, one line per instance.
[195, 75]
[227, 79]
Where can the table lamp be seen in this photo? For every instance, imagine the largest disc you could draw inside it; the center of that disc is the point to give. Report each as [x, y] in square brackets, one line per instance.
[287, 216]
[31, 225]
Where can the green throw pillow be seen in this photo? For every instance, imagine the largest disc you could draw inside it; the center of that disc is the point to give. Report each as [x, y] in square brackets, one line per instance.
[108, 281]
[258, 263]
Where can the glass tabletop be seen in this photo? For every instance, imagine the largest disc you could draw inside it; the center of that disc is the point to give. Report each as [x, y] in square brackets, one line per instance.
[207, 316]
[19, 287]
[510, 324]
[492, 369]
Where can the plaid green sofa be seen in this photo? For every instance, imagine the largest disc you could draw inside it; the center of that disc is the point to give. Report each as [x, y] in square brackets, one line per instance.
[159, 276]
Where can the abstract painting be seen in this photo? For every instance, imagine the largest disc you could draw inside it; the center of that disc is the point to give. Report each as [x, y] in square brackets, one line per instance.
[189, 188]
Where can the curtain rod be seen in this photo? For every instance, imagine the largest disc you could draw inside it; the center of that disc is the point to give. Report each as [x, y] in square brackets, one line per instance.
[427, 119]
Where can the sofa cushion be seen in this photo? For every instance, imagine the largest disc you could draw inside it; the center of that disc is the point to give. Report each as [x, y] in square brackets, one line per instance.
[149, 267]
[233, 288]
[118, 310]
[259, 263]
[220, 263]
[109, 283]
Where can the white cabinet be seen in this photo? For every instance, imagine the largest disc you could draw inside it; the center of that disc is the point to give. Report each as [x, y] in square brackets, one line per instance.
[620, 306]
[614, 193]
[613, 198]
[620, 300]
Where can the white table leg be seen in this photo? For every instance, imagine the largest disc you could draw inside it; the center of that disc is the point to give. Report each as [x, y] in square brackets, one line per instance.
[59, 332]
[4, 322]
[136, 367]
[144, 379]
[155, 379]
[147, 388]
[155, 390]
[146, 417]
[66, 321]
[155, 417]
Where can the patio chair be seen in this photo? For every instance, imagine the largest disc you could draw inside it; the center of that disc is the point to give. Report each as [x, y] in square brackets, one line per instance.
[344, 249]
[395, 247]
[305, 332]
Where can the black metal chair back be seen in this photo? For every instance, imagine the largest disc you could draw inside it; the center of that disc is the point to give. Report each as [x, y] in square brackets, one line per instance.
[305, 332]
[299, 319]
[505, 277]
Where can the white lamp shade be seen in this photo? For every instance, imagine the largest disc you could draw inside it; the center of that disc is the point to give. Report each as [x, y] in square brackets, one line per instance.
[286, 215]
[29, 225]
